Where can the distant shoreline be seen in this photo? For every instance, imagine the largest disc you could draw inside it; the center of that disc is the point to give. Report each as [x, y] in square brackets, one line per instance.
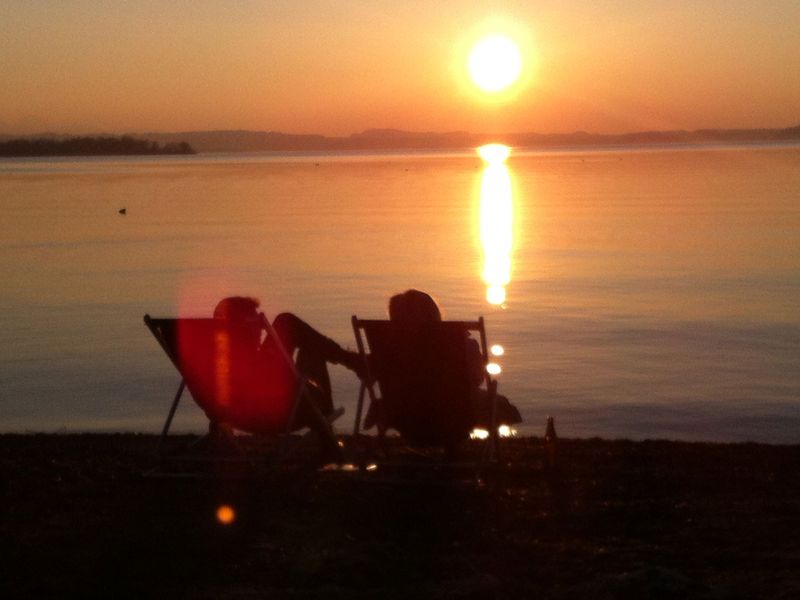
[393, 139]
[311, 154]
[374, 140]
[90, 146]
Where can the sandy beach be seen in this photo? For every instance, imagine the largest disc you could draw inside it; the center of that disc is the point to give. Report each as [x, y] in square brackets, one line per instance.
[620, 520]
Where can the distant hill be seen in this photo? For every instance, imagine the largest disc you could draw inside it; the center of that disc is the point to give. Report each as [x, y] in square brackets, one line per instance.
[395, 139]
[89, 146]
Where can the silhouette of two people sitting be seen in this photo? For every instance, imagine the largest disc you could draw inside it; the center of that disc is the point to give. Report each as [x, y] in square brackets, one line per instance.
[423, 387]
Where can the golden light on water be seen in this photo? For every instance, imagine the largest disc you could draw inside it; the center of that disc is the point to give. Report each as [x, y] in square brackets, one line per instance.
[496, 294]
[343, 467]
[506, 431]
[347, 467]
[496, 217]
[496, 222]
[482, 434]
[493, 153]
[478, 434]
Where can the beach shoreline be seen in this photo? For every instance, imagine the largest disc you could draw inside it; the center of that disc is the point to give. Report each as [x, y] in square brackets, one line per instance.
[619, 519]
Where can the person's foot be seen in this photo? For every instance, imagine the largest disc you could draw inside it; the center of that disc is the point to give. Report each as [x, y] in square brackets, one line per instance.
[354, 362]
[370, 420]
[221, 439]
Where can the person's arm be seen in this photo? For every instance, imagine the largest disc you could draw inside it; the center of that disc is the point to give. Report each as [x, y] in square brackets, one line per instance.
[475, 362]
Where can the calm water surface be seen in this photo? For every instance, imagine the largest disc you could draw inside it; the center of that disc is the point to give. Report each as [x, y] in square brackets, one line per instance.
[652, 294]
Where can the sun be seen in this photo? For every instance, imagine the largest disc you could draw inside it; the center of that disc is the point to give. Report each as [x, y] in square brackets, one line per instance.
[495, 63]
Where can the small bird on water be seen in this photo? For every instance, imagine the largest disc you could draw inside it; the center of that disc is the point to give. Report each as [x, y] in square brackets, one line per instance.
[123, 211]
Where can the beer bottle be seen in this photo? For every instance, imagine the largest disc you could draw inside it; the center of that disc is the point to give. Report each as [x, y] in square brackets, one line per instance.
[550, 445]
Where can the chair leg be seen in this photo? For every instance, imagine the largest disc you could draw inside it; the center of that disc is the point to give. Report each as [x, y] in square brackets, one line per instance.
[359, 409]
[171, 414]
[493, 434]
[298, 396]
[321, 425]
[323, 428]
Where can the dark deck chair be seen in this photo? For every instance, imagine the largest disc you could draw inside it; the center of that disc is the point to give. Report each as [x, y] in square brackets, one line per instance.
[426, 381]
[229, 385]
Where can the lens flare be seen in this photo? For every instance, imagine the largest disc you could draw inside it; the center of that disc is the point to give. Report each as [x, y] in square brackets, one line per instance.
[225, 514]
[222, 367]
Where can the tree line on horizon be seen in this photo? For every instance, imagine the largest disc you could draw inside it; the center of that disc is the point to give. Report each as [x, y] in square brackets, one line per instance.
[90, 146]
[191, 142]
[396, 139]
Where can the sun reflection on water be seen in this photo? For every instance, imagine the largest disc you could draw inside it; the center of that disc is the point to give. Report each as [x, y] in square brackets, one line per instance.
[504, 431]
[497, 240]
[496, 222]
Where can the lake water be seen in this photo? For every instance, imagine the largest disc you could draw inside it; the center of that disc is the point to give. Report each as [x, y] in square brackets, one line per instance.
[652, 293]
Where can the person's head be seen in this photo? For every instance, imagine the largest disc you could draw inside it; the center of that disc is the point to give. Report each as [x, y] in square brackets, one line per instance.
[414, 307]
[237, 308]
[242, 316]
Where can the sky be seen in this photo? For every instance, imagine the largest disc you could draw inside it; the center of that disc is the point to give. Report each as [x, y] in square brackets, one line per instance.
[337, 67]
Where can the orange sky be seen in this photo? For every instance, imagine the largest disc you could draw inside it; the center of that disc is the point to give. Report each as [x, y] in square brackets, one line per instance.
[337, 67]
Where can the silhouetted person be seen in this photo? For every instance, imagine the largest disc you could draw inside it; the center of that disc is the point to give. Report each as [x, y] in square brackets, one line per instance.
[255, 353]
[415, 311]
[414, 308]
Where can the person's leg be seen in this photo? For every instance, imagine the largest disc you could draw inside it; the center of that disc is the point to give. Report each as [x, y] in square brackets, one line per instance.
[314, 351]
[506, 413]
[297, 334]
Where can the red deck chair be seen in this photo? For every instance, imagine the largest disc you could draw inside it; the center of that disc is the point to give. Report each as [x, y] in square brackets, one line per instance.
[232, 386]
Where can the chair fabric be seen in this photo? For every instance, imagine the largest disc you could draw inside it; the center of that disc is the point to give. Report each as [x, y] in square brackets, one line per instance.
[230, 383]
[426, 377]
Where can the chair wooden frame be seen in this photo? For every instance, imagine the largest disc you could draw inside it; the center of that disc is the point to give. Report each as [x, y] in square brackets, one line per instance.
[163, 330]
[361, 328]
